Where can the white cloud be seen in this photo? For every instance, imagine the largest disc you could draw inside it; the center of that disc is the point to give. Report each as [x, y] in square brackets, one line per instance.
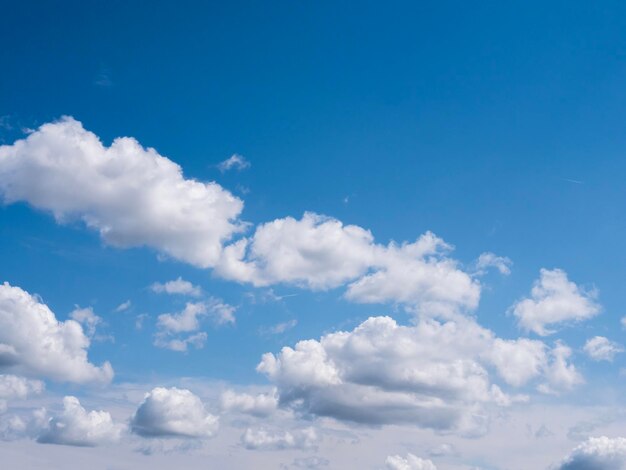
[597, 453]
[87, 318]
[74, 426]
[173, 412]
[560, 374]
[256, 405]
[234, 162]
[177, 286]
[433, 375]
[180, 344]
[410, 462]
[131, 195]
[184, 321]
[518, 361]
[123, 306]
[12, 386]
[262, 439]
[33, 342]
[554, 300]
[490, 260]
[318, 252]
[600, 348]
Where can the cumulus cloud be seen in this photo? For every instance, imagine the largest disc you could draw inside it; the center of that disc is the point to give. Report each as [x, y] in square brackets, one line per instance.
[74, 426]
[597, 453]
[600, 348]
[34, 343]
[131, 195]
[177, 286]
[490, 260]
[318, 252]
[410, 462]
[234, 162]
[87, 318]
[560, 374]
[262, 439]
[554, 300]
[256, 405]
[186, 320]
[12, 387]
[433, 375]
[173, 412]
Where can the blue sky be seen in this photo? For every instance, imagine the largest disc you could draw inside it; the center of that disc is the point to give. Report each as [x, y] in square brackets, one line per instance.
[497, 127]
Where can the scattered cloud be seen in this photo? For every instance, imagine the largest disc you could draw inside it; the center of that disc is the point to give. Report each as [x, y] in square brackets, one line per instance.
[410, 462]
[123, 306]
[234, 162]
[173, 412]
[256, 405]
[12, 387]
[177, 286]
[554, 301]
[263, 439]
[489, 260]
[597, 453]
[74, 426]
[34, 343]
[87, 318]
[131, 195]
[600, 348]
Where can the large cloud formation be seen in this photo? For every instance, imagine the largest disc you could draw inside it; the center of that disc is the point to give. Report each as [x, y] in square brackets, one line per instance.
[131, 195]
[433, 374]
[74, 426]
[597, 453]
[34, 343]
[554, 300]
[320, 252]
[173, 412]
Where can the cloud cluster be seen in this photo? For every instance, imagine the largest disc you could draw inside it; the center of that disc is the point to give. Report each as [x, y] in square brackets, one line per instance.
[131, 195]
[34, 343]
[318, 252]
[410, 462]
[433, 374]
[554, 300]
[597, 453]
[74, 426]
[173, 412]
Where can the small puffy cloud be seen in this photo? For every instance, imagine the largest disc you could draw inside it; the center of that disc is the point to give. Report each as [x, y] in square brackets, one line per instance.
[182, 344]
[177, 286]
[74, 426]
[597, 453]
[131, 195]
[490, 260]
[518, 361]
[600, 348]
[433, 375]
[123, 306]
[234, 162]
[173, 412]
[256, 405]
[33, 342]
[560, 374]
[318, 253]
[410, 462]
[184, 321]
[554, 300]
[87, 318]
[262, 439]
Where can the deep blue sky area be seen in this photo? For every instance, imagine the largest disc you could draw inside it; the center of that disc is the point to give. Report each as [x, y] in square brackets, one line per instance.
[500, 126]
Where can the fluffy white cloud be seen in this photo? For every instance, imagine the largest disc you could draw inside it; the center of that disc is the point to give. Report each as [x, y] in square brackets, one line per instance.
[131, 195]
[319, 252]
[235, 161]
[267, 440]
[490, 260]
[12, 386]
[600, 348]
[560, 374]
[173, 412]
[597, 453]
[177, 286]
[74, 426]
[87, 318]
[256, 405]
[34, 342]
[554, 300]
[188, 320]
[432, 374]
[410, 462]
